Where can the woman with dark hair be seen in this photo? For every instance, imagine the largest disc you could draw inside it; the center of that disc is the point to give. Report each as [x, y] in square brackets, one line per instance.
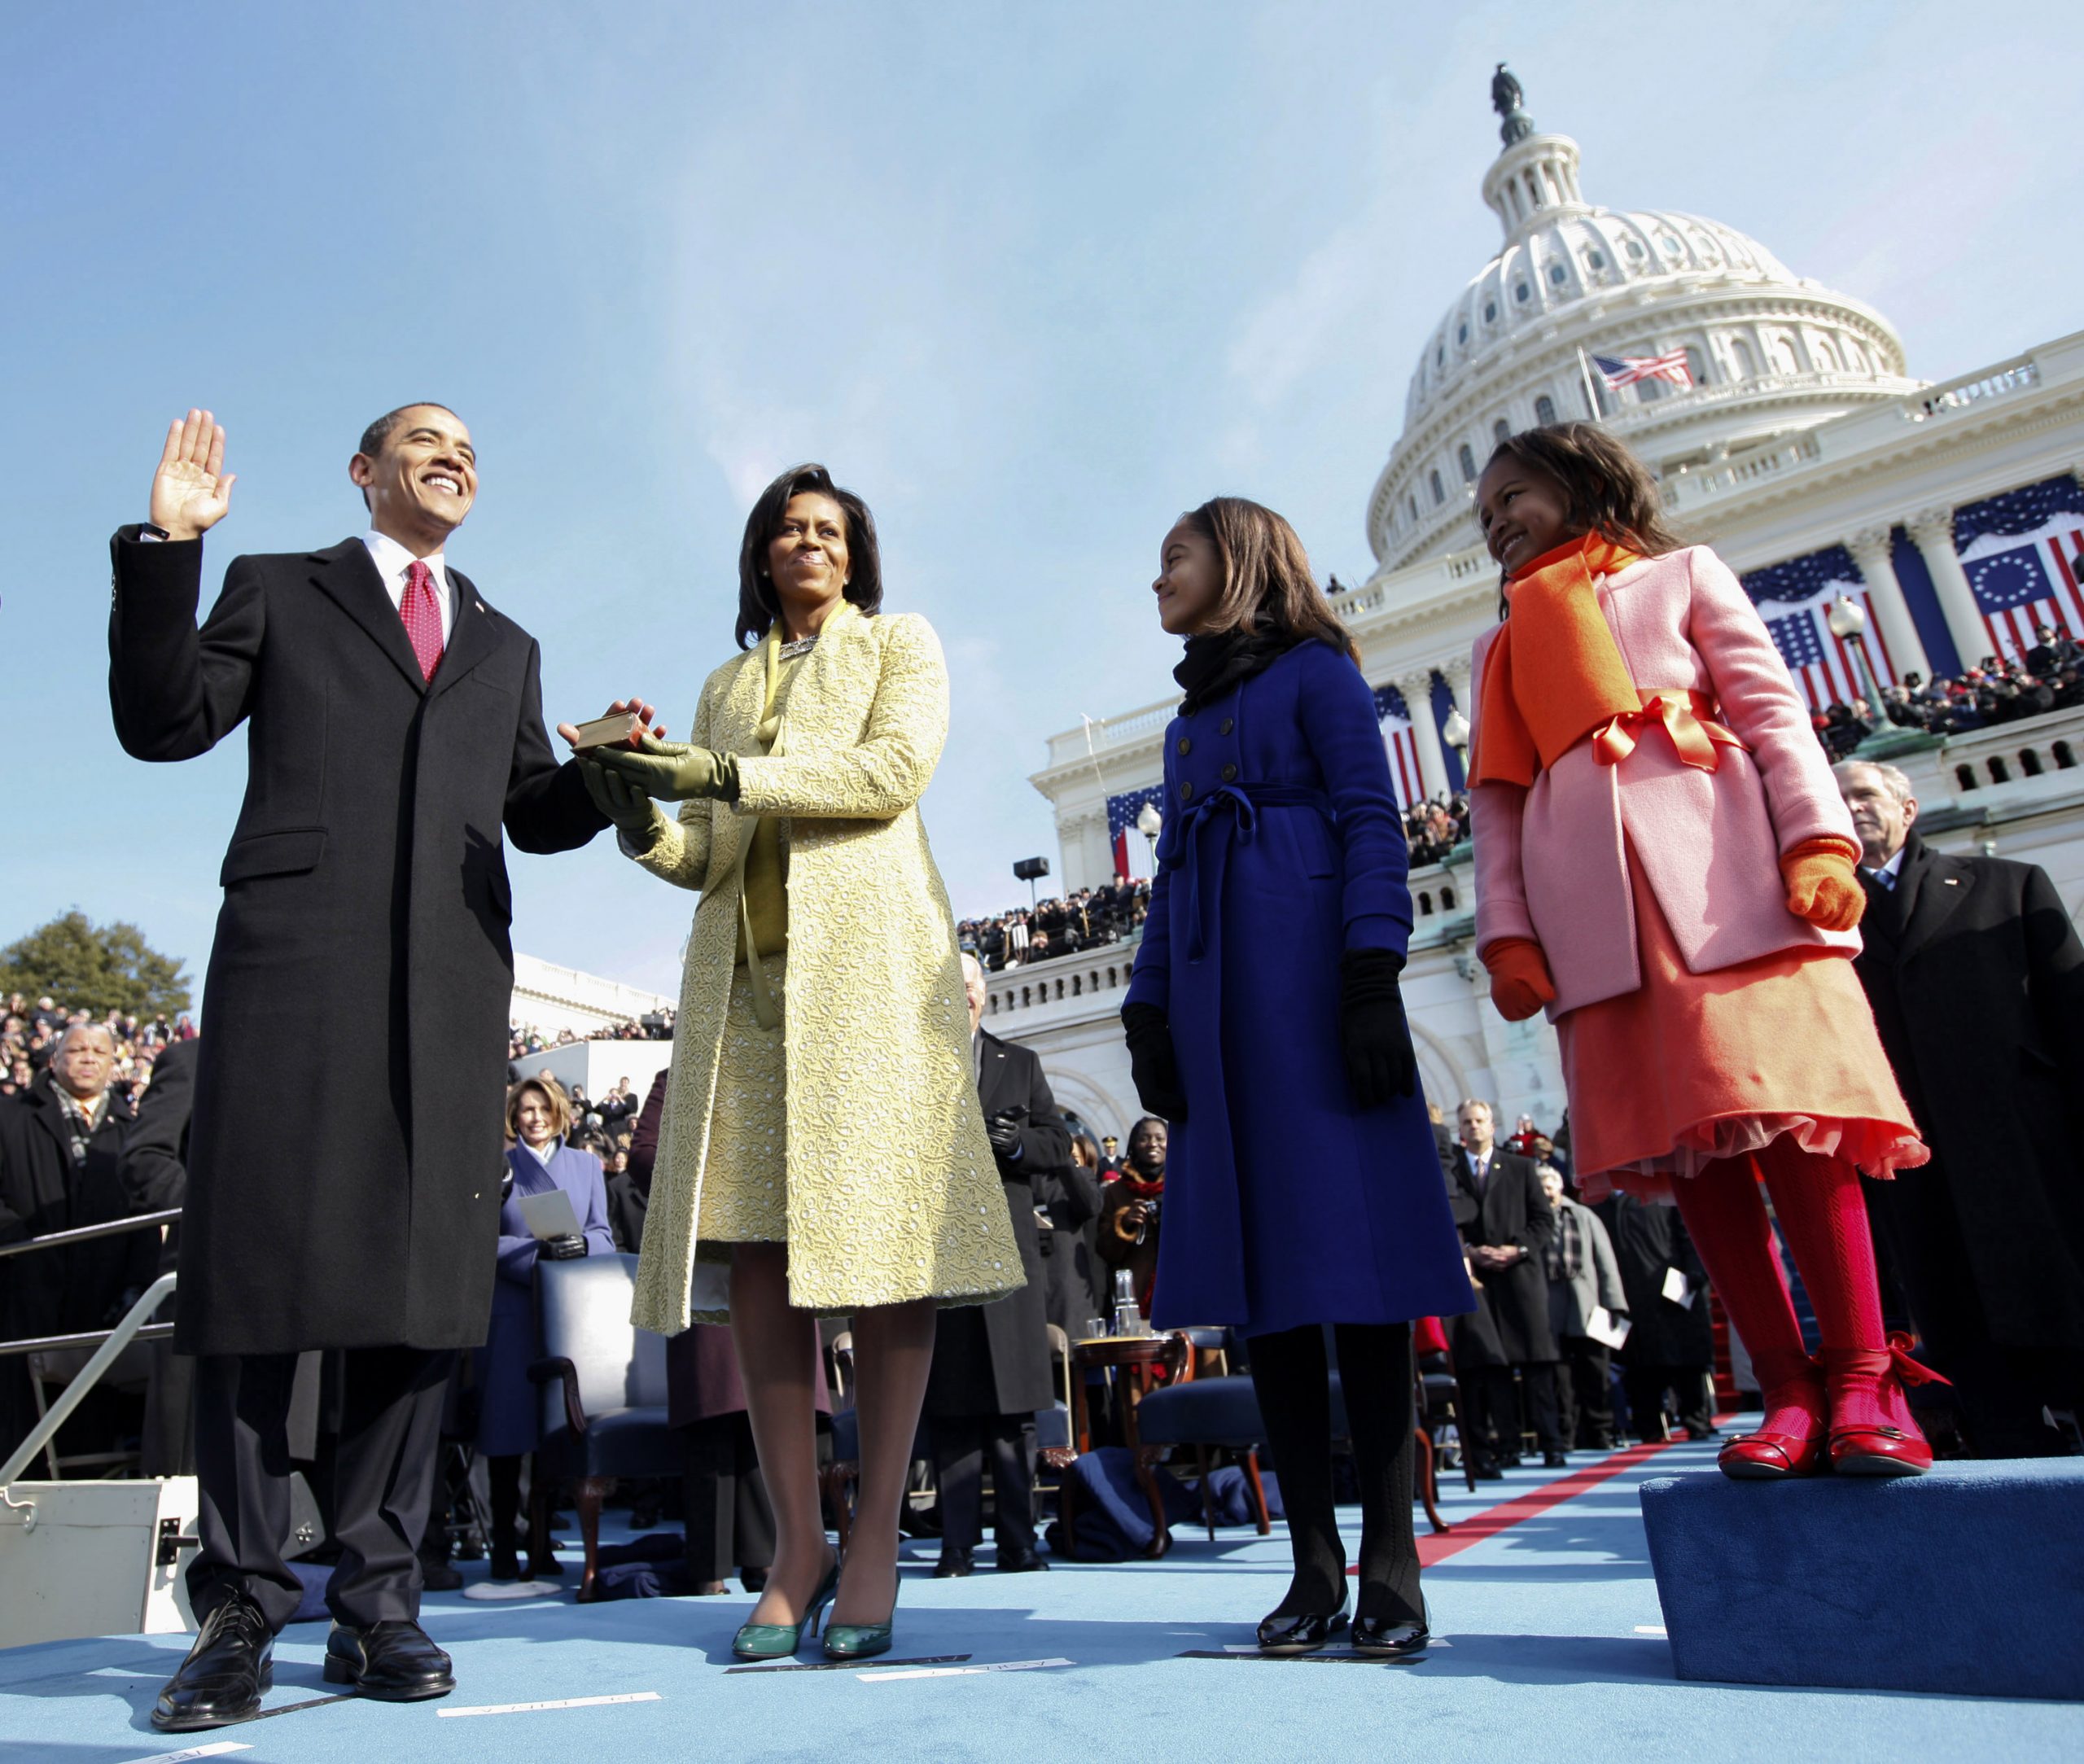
[1663, 862]
[1265, 1025]
[822, 1023]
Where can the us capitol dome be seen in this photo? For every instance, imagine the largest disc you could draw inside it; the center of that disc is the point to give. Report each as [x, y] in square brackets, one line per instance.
[1769, 352]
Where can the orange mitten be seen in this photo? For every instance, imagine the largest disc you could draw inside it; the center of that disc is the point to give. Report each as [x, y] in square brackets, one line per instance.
[1520, 981]
[1821, 885]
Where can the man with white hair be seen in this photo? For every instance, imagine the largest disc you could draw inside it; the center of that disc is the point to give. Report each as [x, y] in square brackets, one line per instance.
[1977, 977]
[61, 1145]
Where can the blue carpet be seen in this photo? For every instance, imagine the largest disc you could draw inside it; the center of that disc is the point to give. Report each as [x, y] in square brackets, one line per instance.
[1553, 1650]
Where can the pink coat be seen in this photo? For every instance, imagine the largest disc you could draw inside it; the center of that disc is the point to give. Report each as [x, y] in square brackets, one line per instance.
[1551, 863]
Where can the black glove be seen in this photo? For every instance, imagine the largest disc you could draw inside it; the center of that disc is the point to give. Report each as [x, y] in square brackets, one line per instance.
[568, 1248]
[1153, 1067]
[1003, 1131]
[1380, 1064]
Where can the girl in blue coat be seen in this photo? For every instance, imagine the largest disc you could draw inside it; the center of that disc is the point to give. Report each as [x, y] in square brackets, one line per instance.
[1264, 1023]
[538, 1117]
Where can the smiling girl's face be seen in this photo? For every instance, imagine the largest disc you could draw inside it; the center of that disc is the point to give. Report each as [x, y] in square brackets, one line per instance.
[1189, 578]
[1522, 511]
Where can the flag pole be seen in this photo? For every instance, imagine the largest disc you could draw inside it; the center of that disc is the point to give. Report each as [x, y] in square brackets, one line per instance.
[1585, 370]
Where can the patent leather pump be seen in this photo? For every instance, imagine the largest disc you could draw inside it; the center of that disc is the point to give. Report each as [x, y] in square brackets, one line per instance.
[1390, 1638]
[1795, 1439]
[1875, 1380]
[778, 1641]
[1301, 1634]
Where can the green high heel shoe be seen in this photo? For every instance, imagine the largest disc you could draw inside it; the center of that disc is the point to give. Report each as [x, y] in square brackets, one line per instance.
[778, 1641]
[860, 1641]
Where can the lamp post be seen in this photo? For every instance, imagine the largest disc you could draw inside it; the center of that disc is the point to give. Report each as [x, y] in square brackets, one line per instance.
[1847, 623]
[1455, 732]
[1149, 823]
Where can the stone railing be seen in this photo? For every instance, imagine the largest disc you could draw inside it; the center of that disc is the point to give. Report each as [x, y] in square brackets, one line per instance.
[1099, 734]
[2011, 753]
[1689, 487]
[1063, 988]
[2016, 375]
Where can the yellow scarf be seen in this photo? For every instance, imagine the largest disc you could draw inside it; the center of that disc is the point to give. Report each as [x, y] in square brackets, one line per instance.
[1575, 680]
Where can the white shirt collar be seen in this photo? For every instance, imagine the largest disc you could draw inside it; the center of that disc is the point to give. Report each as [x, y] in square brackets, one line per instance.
[1889, 871]
[544, 1153]
[392, 561]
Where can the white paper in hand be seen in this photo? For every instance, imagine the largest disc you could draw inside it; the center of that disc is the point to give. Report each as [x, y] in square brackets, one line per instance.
[548, 1215]
[1605, 1328]
[1676, 1288]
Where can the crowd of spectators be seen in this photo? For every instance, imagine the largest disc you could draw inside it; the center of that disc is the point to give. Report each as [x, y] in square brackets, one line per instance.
[1434, 829]
[29, 1030]
[1092, 918]
[524, 1039]
[2049, 676]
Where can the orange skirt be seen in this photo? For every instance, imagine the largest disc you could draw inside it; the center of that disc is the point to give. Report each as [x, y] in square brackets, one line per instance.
[1692, 1067]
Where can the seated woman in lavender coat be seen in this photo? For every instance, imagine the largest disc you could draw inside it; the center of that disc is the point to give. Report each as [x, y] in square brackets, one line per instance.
[537, 1116]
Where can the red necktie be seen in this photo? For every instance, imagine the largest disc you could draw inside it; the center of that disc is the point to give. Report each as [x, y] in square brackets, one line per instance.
[422, 612]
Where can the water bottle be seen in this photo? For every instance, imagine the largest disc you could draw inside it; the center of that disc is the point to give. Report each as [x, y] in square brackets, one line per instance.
[1128, 1314]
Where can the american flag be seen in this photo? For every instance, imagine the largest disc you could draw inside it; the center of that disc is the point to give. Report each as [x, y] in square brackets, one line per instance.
[1627, 370]
[1795, 599]
[1394, 716]
[2021, 552]
[1122, 812]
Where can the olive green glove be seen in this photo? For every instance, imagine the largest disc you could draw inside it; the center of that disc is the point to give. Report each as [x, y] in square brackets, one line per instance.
[672, 771]
[632, 813]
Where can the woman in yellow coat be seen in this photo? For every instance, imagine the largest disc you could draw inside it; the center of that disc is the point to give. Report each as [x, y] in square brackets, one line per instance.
[822, 1132]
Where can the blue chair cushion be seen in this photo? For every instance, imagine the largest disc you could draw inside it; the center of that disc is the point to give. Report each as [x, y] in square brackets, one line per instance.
[1053, 1427]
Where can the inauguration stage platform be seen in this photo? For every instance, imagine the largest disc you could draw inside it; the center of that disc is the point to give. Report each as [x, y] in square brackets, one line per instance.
[1550, 1646]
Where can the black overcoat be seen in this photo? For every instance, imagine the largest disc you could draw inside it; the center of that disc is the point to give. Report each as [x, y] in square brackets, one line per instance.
[1977, 977]
[348, 1092]
[1648, 1239]
[994, 1360]
[1511, 1321]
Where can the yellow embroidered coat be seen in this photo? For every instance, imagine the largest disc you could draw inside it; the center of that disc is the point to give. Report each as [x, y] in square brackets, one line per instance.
[893, 1192]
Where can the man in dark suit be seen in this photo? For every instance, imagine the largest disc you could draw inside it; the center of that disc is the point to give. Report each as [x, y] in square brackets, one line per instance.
[348, 1095]
[1506, 1224]
[155, 1172]
[990, 1370]
[1977, 977]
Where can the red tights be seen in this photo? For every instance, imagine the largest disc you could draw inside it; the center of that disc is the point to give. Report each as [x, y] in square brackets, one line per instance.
[1823, 1214]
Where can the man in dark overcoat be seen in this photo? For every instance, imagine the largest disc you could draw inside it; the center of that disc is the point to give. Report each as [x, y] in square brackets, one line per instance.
[990, 1370]
[1505, 1224]
[61, 1141]
[347, 1094]
[1977, 977]
[1670, 1345]
[155, 1172]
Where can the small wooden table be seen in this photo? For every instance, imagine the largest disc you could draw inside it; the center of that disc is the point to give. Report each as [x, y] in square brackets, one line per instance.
[1142, 1357]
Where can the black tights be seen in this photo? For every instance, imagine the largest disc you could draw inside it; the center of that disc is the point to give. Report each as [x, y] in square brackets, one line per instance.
[504, 1476]
[1291, 1376]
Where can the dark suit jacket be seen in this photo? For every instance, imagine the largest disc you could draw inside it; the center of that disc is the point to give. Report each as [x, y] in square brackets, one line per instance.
[1512, 1210]
[154, 1168]
[1977, 977]
[348, 1095]
[994, 1360]
[1648, 1239]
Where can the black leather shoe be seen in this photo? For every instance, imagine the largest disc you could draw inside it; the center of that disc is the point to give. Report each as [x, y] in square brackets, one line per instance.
[221, 1680]
[1555, 1461]
[1390, 1638]
[1303, 1634]
[954, 1564]
[506, 1562]
[439, 1576]
[1485, 1471]
[1022, 1562]
[393, 1661]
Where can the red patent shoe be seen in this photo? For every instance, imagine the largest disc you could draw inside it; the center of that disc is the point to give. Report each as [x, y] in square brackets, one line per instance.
[1862, 1381]
[1795, 1438]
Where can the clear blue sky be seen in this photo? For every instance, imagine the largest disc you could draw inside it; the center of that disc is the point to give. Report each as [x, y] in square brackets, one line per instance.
[1032, 279]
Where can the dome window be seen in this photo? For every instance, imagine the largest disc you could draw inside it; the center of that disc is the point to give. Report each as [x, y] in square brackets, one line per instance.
[1440, 356]
[1461, 332]
[1696, 365]
[1636, 249]
[1556, 273]
[1544, 410]
[1491, 312]
[1521, 291]
[1501, 431]
[1596, 259]
[1411, 503]
[1439, 491]
[1668, 245]
[1467, 458]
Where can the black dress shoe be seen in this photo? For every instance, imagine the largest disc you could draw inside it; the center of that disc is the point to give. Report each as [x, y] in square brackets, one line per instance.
[1555, 1461]
[954, 1564]
[1303, 1634]
[221, 1680]
[1485, 1471]
[1028, 1561]
[1390, 1638]
[439, 1577]
[506, 1562]
[393, 1661]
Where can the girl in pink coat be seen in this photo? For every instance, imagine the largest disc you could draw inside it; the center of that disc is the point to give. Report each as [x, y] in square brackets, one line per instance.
[1663, 862]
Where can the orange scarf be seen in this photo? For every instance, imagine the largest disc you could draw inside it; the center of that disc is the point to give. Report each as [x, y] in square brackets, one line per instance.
[1576, 680]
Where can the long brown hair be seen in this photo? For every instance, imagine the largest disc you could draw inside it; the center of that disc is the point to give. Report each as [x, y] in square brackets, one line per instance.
[1607, 490]
[1266, 579]
[758, 605]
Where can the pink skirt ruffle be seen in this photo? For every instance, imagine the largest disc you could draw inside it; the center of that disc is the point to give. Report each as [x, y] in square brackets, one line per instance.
[1691, 1068]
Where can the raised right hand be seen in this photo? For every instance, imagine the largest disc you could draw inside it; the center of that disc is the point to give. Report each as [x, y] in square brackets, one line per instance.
[191, 491]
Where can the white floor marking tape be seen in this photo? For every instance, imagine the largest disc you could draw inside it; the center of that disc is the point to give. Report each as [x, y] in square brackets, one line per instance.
[1651, 1629]
[562, 1702]
[215, 1748]
[961, 1672]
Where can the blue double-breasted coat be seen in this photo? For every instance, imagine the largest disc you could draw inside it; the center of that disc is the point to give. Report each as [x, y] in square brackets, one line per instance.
[1285, 1203]
[508, 1406]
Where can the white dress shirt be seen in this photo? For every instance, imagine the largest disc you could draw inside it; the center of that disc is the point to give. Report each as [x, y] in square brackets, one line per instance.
[1887, 873]
[392, 561]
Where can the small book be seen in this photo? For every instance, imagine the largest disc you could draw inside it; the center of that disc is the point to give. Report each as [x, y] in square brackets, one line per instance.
[608, 731]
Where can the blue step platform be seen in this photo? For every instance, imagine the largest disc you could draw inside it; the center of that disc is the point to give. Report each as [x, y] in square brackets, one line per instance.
[1968, 1581]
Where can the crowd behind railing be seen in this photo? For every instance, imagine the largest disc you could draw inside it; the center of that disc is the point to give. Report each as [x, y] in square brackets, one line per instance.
[29, 1030]
[2049, 676]
[525, 1038]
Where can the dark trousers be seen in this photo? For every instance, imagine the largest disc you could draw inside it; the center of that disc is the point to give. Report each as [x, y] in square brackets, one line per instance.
[2002, 1388]
[1494, 1428]
[383, 1465]
[961, 1444]
[1692, 1392]
[730, 1521]
[1584, 1397]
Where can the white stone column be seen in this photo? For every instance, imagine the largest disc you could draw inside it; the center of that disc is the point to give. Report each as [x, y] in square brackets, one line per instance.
[1417, 691]
[1933, 532]
[1884, 594]
[1454, 671]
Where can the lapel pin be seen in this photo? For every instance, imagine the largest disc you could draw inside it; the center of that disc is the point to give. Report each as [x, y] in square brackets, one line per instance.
[1952, 881]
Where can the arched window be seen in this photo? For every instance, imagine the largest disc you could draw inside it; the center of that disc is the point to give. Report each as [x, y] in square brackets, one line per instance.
[1783, 356]
[1544, 410]
[1827, 357]
[1467, 458]
[1411, 503]
[1741, 360]
[1697, 364]
[1439, 491]
[1501, 430]
[1649, 391]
